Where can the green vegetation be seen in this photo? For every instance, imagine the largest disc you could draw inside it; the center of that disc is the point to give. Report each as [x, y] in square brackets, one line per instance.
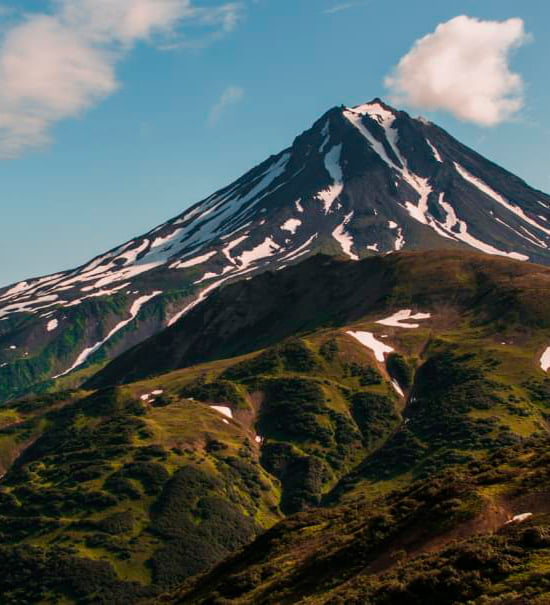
[416, 545]
[100, 488]
[144, 486]
[399, 370]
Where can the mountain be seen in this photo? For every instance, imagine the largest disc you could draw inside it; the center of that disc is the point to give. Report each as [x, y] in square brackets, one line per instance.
[322, 292]
[362, 181]
[336, 431]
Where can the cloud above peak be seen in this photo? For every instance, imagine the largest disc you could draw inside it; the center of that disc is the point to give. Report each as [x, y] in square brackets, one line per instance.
[463, 68]
[56, 65]
[232, 95]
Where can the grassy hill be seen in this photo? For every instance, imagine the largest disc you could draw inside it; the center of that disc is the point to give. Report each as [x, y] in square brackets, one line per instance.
[445, 540]
[118, 493]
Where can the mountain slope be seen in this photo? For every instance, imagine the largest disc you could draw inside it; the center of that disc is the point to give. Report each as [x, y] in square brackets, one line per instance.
[376, 377]
[444, 540]
[361, 181]
[509, 296]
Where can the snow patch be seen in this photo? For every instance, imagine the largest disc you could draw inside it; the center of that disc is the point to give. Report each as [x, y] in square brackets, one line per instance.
[343, 238]
[52, 325]
[399, 240]
[397, 388]
[267, 248]
[206, 277]
[325, 133]
[368, 340]
[223, 410]
[545, 360]
[397, 320]
[291, 225]
[232, 245]
[519, 518]
[332, 164]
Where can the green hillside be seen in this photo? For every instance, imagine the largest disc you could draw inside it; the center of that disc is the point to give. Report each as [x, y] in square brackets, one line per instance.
[441, 540]
[354, 462]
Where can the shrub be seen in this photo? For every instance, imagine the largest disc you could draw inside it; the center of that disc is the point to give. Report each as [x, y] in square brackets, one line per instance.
[399, 370]
[151, 475]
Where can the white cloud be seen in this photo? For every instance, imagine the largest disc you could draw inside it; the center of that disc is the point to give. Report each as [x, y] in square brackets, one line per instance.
[55, 66]
[230, 96]
[463, 67]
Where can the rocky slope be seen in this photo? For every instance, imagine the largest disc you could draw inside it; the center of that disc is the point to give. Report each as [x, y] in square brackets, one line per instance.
[362, 181]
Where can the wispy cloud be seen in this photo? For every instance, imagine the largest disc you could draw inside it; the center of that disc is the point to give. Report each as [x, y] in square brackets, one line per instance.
[338, 8]
[55, 65]
[463, 68]
[230, 96]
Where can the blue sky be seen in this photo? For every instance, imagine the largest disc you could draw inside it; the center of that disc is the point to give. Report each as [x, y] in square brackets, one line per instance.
[165, 135]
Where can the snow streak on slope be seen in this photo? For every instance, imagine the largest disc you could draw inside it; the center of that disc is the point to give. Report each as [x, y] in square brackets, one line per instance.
[355, 117]
[484, 188]
[198, 260]
[368, 340]
[343, 238]
[333, 192]
[222, 409]
[177, 240]
[267, 248]
[134, 311]
[420, 185]
[452, 222]
[399, 240]
[397, 388]
[453, 228]
[436, 153]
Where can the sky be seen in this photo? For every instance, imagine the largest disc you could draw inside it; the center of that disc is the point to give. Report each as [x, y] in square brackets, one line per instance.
[116, 115]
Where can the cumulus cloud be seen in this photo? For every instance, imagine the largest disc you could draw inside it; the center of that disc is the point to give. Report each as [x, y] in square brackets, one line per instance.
[58, 64]
[230, 96]
[463, 67]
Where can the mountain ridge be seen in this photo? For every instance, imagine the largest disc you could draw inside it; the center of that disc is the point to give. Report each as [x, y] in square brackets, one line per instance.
[245, 316]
